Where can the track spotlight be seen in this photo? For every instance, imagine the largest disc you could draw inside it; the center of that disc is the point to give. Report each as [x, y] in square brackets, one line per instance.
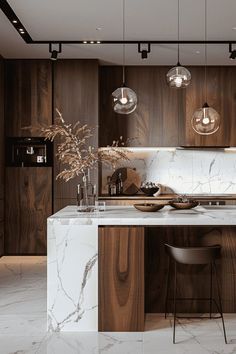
[144, 49]
[54, 52]
[232, 52]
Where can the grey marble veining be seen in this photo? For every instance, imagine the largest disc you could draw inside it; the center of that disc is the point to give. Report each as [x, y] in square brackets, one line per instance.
[63, 221]
[184, 171]
[72, 296]
[25, 332]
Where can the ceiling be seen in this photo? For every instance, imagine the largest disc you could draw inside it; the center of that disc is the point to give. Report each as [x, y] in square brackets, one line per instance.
[102, 20]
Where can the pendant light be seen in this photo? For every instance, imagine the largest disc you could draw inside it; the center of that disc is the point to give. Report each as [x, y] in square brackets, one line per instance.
[178, 76]
[205, 120]
[124, 99]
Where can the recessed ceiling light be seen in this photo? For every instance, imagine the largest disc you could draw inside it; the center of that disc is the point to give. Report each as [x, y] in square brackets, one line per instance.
[14, 21]
[197, 51]
[91, 42]
[85, 42]
[99, 28]
[98, 42]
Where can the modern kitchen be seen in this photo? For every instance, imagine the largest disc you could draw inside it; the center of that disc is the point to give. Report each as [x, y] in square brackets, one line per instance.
[118, 177]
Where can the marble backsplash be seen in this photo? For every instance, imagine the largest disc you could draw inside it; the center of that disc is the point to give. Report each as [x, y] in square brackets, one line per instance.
[182, 170]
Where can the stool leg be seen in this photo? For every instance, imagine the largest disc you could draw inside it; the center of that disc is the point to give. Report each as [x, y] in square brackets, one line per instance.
[167, 286]
[211, 292]
[175, 289]
[220, 303]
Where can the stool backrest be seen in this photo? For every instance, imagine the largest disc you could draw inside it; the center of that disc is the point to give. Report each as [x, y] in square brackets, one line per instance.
[194, 255]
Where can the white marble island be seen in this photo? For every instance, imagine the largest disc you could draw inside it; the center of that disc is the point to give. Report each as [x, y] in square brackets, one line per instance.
[73, 240]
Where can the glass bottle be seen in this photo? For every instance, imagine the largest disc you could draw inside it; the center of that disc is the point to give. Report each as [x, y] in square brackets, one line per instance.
[119, 185]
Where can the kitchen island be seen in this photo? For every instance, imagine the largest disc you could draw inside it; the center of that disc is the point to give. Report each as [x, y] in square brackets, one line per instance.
[96, 262]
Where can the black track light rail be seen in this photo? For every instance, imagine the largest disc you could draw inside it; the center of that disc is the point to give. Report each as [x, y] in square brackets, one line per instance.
[133, 42]
[20, 28]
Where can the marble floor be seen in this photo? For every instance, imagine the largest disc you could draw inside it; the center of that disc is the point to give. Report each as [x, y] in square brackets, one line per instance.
[23, 323]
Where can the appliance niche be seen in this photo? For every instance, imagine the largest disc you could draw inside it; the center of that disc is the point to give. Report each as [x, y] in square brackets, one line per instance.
[28, 152]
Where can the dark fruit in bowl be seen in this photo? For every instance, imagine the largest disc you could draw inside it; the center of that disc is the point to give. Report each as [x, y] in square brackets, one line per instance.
[150, 191]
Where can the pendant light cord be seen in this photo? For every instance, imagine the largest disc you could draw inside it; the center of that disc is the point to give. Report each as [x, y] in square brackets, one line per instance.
[205, 51]
[178, 31]
[123, 70]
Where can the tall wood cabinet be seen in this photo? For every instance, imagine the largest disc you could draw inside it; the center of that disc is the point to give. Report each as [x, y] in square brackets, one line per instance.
[34, 89]
[1, 156]
[28, 196]
[75, 94]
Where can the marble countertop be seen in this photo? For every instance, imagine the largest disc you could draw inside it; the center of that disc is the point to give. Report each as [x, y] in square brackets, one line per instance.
[128, 215]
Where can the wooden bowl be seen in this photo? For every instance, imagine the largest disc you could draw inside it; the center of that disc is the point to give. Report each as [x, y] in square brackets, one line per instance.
[184, 205]
[149, 207]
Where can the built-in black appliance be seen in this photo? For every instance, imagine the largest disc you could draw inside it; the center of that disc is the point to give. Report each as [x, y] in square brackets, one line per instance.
[29, 152]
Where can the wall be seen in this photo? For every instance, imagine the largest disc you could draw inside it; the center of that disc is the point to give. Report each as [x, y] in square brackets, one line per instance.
[1, 156]
[183, 170]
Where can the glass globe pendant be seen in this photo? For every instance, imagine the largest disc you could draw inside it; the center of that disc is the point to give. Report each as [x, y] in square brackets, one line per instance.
[205, 120]
[124, 100]
[178, 77]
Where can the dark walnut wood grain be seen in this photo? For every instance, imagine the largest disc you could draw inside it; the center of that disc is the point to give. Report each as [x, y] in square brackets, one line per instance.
[76, 96]
[193, 281]
[163, 115]
[28, 204]
[157, 119]
[221, 95]
[1, 156]
[28, 92]
[121, 279]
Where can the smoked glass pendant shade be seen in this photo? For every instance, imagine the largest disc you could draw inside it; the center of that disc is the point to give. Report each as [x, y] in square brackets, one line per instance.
[205, 120]
[124, 100]
[178, 77]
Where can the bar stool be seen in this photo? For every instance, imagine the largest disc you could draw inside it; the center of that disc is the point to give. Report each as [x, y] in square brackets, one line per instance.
[197, 256]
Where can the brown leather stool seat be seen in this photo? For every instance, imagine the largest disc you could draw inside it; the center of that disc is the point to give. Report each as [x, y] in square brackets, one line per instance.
[198, 256]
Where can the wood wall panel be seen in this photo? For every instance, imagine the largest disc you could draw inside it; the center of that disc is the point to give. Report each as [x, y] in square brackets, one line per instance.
[2, 140]
[28, 95]
[193, 281]
[121, 279]
[155, 122]
[221, 95]
[163, 115]
[28, 204]
[76, 96]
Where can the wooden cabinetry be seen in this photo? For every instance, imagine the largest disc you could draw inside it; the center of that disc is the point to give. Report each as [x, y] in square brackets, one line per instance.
[1, 156]
[155, 122]
[28, 204]
[28, 197]
[163, 115]
[76, 96]
[193, 281]
[28, 95]
[121, 279]
[221, 95]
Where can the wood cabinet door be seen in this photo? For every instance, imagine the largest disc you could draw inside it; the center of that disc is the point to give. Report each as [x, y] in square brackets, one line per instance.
[221, 95]
[121, 279]
[76, 96]
[28, 203]
[157, 119]
[28, 95]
